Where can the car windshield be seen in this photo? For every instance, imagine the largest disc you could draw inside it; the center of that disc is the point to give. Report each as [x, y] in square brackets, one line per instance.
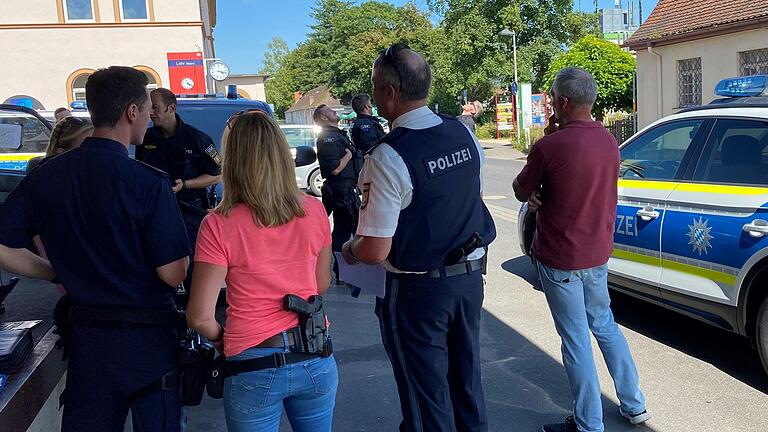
[22, 136]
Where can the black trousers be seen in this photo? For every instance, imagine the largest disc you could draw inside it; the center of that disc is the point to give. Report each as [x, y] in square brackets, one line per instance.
[430, 329]
[114, 369]
[341, 201]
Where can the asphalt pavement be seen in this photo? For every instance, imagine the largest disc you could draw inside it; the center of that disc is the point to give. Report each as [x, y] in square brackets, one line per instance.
[695, 377]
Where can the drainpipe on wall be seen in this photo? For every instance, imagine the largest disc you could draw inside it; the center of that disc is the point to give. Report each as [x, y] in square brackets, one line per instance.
[660, 97]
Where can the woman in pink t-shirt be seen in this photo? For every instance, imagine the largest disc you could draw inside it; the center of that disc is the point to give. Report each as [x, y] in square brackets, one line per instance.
[265, 240]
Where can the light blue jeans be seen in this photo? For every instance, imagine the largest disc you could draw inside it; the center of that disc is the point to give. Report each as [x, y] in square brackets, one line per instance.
[254, 401]
[579, 303]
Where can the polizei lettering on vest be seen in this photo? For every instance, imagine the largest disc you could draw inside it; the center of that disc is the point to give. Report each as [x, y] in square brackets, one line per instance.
[450, 160]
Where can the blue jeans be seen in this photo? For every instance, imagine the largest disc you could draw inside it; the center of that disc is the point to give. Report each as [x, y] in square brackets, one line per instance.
[579, 303]
[254, 401]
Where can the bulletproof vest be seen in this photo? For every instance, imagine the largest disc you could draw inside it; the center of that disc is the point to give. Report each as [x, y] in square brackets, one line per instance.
[446, 209]
[351, 172]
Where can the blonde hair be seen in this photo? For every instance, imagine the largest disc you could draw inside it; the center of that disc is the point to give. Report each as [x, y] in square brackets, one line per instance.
[65, 133]
[258, 171]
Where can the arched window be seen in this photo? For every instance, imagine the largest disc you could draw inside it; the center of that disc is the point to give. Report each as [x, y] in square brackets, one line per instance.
[76, 84]
[152, 76]
[78, 87]
[243, 94]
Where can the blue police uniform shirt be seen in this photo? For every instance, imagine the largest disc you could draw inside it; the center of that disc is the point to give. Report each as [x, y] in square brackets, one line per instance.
[106, 222]
[366, 131]
[187, 154]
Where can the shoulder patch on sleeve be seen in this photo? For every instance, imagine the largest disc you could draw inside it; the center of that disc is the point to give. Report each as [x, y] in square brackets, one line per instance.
[213, 153]
[366, 195]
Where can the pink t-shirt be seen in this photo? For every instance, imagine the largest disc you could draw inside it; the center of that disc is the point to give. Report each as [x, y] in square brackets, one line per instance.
[263, 265]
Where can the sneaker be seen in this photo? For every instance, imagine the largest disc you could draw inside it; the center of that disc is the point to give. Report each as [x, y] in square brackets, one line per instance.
[635, 419]
[568, 426]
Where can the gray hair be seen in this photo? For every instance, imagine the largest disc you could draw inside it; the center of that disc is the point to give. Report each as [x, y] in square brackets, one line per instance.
[577, 85]
[410, 73]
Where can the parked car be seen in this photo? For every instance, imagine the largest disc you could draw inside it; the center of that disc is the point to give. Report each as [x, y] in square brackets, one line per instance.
[24, 134]
[307, 177]
[691, 230]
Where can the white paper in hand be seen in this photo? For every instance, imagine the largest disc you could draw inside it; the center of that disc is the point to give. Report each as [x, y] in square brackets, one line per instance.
[371, 279]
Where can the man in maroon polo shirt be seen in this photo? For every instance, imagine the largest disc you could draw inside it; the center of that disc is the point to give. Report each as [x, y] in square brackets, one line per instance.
[570, 180]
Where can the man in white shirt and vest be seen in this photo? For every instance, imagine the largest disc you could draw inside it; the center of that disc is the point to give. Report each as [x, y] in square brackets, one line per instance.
[423, 218]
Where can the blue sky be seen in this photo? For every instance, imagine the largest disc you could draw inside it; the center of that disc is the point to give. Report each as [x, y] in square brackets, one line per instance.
[245, 27]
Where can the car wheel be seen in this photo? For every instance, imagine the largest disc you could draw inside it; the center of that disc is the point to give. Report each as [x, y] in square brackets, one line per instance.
[315, 183]
[762, 333]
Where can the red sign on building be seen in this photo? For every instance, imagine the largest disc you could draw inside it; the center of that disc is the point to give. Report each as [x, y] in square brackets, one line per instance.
[187, 73]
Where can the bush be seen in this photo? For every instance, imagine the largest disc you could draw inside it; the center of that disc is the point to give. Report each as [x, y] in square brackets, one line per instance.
[485, 131]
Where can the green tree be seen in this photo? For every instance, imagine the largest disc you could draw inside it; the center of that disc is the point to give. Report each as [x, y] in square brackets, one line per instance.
[301, 70]
[611, 66]
[274, 56]
[480, 60]
[354, 37]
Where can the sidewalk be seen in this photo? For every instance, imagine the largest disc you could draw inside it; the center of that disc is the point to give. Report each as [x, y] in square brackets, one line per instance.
[501, 149]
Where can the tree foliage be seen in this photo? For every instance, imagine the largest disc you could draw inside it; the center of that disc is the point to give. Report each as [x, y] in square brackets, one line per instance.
[464, 49]
[611, 66]
[274, 56]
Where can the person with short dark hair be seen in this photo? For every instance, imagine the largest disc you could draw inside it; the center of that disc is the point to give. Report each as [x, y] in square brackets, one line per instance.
[422, 217]
[366, 129]
[189, 157]
[573, 171]
[340, 163]
[115, 238]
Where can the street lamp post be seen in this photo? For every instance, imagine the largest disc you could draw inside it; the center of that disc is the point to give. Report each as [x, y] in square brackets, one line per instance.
[506, 33]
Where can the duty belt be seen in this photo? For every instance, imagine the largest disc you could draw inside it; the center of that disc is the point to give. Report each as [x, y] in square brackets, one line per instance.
[462, 268]
[120, 316]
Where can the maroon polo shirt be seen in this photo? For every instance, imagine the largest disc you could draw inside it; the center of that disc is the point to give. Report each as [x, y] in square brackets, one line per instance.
[576, 170]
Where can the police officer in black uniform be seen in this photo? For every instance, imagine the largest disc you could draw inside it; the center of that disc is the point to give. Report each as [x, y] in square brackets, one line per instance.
[423, 217]
[189, 157]
[115, 237]
[340, 164]
[367, 129]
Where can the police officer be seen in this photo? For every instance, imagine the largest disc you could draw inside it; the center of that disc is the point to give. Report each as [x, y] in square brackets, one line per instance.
[189, 157]
[422, 216]
[115, 237]
[366, 129]
[340, 164]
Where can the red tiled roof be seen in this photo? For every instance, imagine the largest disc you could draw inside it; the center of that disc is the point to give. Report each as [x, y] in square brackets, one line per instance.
[672, 18]
[314, 98]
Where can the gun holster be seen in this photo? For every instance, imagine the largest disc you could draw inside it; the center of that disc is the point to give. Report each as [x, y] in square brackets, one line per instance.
[313, 329]
[63, 324]
[461, 253]
[195, 359]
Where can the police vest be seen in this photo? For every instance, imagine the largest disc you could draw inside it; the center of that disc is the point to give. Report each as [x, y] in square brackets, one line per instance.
[446, 208]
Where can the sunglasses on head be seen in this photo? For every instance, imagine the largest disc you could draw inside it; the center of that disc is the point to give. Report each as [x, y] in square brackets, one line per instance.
[230, 120]
[390, 56]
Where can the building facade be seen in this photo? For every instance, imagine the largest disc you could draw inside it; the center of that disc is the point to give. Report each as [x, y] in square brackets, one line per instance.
[57, 44]
[685, 48]
[301, 112]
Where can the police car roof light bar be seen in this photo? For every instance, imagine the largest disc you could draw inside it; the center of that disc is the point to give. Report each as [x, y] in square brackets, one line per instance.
[747, 86]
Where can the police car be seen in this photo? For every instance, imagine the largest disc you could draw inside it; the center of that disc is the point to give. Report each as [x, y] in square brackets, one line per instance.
[691, 231]
[24, 134]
